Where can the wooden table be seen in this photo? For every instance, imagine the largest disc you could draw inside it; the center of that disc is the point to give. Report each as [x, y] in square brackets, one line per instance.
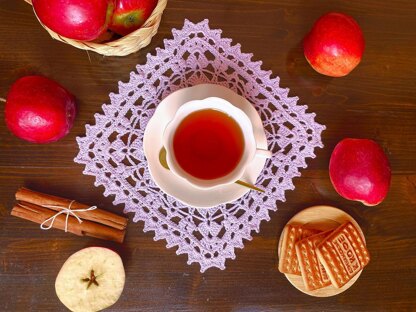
[376, 101]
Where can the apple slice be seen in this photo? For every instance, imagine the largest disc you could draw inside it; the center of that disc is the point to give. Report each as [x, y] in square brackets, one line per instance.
[91, 279]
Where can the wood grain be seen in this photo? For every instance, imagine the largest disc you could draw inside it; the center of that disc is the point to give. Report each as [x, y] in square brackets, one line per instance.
[376, 101]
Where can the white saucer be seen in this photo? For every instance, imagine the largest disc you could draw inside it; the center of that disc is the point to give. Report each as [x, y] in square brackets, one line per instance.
[178, 187]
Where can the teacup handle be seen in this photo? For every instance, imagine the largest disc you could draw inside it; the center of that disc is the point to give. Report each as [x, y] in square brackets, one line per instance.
[263, 153]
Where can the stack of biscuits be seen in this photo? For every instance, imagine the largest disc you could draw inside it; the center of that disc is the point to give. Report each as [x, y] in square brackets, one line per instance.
[323, 258]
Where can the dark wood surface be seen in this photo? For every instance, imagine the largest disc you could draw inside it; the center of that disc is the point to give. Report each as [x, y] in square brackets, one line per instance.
[377, 101]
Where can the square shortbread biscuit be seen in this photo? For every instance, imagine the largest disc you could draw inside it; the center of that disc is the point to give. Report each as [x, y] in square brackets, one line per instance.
[313, 273]
[343, 254]
[288, 262]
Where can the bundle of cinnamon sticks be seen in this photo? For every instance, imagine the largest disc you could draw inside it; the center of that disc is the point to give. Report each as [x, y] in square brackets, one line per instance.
[38, 207]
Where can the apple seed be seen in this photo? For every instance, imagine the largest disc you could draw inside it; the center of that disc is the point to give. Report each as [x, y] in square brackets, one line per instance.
[91, 280]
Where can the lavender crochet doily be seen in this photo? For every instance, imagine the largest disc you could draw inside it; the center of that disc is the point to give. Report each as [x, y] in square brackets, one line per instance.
[112, 149]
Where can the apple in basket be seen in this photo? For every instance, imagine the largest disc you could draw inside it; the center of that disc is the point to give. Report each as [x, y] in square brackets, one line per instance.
[82, 20]
[92, 279]
[359, 170]
[335, 45]
[39, 110]
[130, 15]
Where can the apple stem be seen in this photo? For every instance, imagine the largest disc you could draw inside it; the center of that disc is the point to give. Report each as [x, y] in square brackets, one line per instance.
[2, 100]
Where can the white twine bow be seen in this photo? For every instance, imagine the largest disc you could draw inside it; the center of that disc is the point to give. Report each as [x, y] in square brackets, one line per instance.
[66, 211]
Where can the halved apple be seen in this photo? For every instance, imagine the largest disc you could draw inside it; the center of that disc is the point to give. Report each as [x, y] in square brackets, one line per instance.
[91, 279]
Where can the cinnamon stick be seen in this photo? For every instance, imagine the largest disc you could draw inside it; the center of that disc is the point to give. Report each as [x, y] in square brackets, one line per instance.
[47, 201]
[37, 214]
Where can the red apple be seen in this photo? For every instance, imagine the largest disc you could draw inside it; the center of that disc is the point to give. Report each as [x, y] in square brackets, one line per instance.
[39, 110]
[82, 20]
[359, 170]
[335, 45]
[130, 15]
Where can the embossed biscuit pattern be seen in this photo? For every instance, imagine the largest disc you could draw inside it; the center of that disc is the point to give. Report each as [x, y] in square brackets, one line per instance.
[309, 263]
[288, 262]
[332, 264]
[330, 258]
[358, 245]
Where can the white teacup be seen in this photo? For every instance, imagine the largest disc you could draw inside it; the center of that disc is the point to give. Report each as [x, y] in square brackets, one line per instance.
[243, 121]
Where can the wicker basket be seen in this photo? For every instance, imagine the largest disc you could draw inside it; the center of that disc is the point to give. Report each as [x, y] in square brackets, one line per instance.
[128, 44]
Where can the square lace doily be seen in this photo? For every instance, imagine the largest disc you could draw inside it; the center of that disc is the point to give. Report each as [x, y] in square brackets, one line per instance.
[112, 149]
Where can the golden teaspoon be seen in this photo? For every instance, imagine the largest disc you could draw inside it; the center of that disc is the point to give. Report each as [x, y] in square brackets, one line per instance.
[164, 163]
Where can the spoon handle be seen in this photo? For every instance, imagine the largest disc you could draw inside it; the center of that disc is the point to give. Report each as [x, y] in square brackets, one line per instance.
[164, 163]
[250, 186]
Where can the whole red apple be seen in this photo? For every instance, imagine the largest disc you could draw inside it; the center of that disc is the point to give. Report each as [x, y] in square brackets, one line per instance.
[82, 20]
[39, 110]
[335, 45]
[130, 15]
[359, 170]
